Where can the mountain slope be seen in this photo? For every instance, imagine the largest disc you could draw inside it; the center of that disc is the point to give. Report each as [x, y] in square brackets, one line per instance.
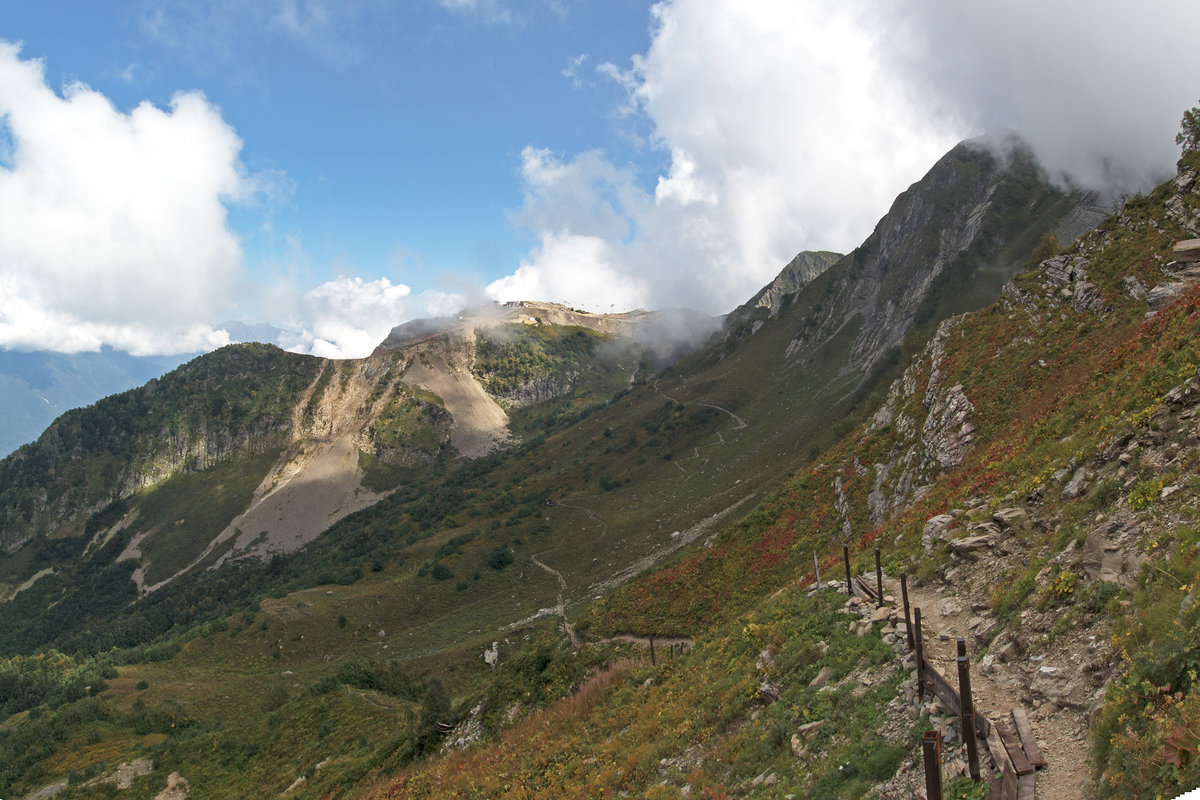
[616, 470]
[37, 387]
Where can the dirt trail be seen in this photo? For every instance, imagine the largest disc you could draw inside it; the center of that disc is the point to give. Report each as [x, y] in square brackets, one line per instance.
[1061, 735]
[739, 423]
[663, 550]
[561, 607]
[590, 513]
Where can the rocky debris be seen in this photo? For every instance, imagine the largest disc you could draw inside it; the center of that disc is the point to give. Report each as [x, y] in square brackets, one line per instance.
[1078, 484]
[1111, 551]
[469, 731]
[1187, 251]
[126, 773]
[1064, 270]
[177, 788]
[47, 792]
[769, 689]
[1185, 213]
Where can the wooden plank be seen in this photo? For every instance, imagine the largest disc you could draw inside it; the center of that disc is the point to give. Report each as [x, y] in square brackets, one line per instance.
[1013, 745]
[949, 695]
[1028, 740]
[1010, 786]
[999, 753]
[1025, 787]
[942, 688]
[864, 586]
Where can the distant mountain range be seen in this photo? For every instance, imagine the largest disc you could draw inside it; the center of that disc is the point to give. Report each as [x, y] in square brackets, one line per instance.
[36, 387]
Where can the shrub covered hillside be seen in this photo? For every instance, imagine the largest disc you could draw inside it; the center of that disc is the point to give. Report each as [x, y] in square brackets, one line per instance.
[1036, 463]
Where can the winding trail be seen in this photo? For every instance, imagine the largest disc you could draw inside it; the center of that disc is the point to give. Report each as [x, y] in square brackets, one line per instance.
[590, 513]
[739, 422]
[561, 608]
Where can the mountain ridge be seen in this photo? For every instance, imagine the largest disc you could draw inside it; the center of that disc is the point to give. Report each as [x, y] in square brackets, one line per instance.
[836, 430]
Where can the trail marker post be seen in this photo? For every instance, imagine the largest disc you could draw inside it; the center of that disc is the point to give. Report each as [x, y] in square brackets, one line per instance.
[920, 653]
[846, 559]
[967, 706]
[907, 618]
[878, 578]
[931, 744]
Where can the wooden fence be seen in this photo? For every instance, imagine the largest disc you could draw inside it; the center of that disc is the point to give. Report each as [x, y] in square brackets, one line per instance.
[1013, 748]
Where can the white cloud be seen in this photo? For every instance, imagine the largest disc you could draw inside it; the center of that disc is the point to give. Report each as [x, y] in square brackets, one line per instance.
[348, 317]
[794, 125]
[577, 271]
[1096, 87]
[785, 132]
[114, 228]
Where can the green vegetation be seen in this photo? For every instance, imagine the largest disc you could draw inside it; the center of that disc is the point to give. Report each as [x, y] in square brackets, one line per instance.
[1188, 137]
[347, 663]
[699, 720]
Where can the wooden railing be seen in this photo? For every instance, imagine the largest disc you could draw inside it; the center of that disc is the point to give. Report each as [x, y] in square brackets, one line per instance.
[1013, 748]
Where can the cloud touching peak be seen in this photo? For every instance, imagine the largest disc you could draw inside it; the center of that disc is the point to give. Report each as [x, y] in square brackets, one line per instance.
[114, 226]
[792, 126]
[1097, 88]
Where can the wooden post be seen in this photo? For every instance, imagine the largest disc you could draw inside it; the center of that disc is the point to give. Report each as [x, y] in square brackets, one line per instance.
[653, 660]
[817, 568]
[931, 744]
[878, 578]
[920, 653]
[907, 617]
[967, 722]
[846, 559]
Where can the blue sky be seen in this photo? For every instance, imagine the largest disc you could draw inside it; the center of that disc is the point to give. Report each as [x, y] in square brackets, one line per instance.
[333, 168]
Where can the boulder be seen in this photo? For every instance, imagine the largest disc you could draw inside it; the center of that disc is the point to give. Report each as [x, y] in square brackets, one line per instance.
[810, 729]
[1011, 517]
[1187, 251]
[1078, 484]
[972, 544]
[822, 677]
[1164, 294]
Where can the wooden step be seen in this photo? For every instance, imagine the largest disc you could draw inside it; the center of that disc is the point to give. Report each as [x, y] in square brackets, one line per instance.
[1028, 740]
[1013, 745]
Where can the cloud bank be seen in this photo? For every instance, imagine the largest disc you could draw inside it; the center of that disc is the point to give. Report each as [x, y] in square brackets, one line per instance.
[114, 227]
[793, 125]
[348, 317]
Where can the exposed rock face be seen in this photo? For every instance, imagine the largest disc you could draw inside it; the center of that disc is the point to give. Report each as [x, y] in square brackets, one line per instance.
[948, 433]
[924, 235]
[798, 273]
[939, 441]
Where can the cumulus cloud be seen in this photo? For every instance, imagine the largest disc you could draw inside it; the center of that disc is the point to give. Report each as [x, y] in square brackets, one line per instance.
[114, 228]
[347, 317]
[784, 132]
[793, 125]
